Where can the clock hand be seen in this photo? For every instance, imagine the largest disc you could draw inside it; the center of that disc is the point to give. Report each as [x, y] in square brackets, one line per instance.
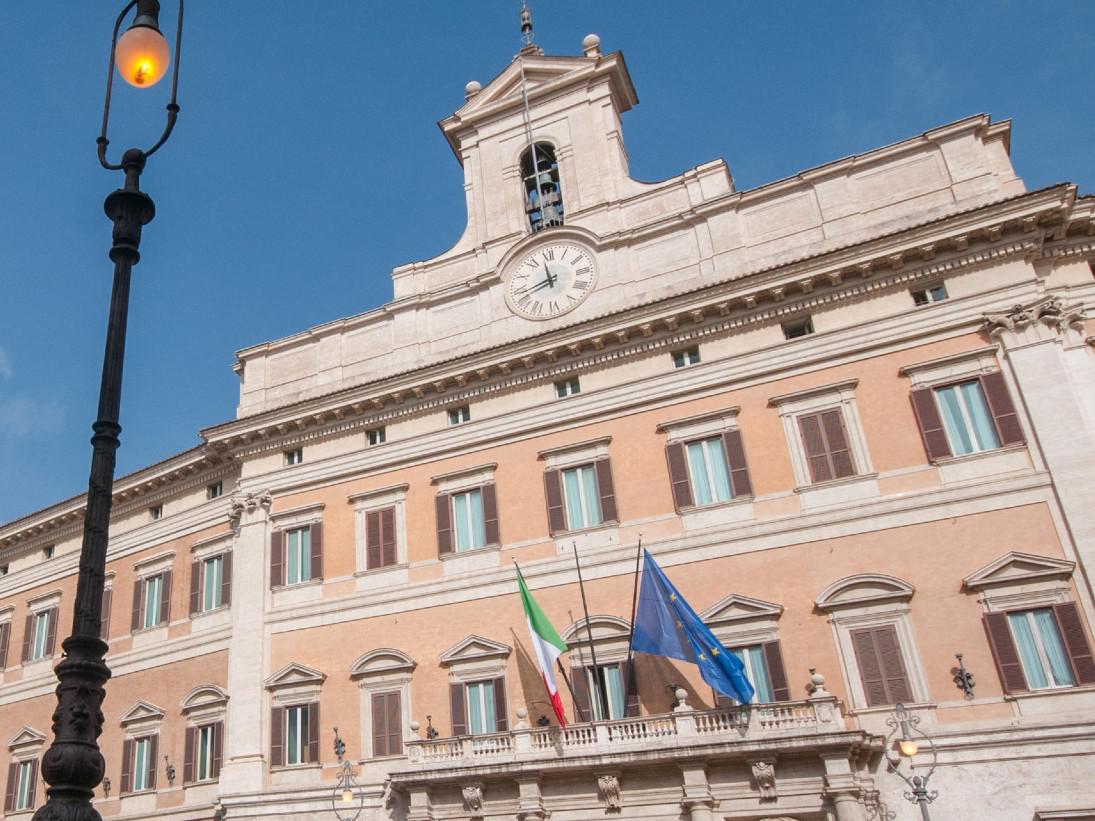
[545, 283]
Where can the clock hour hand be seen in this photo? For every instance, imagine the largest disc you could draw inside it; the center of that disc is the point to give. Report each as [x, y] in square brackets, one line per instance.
[542, 284]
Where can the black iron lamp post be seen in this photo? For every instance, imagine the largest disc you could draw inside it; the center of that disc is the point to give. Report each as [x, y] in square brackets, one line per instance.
[905, 747]
[73, 765]
[347, 799]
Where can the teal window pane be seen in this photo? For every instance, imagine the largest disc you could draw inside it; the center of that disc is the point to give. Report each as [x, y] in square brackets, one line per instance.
[463, 525]
[950, 408]
[1028, 650]
[481, 718]
[591, 499]
[140, 765]
[984, 431]
[469, 523]
[298, 555]
[23, 799]
[697, 464]
[152, 589]
[573, 493]
[1059, 666]
[211, 579]
[716, 462]
[757, 673]
[478, 526]
[614, 686]
[41, 635]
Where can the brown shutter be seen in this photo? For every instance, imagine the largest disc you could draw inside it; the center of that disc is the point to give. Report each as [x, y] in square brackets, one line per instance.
[1003, 411]
[313, 732]
[501, 719]
[444, 524]
[608, 493]
[490, 514]
[1072, 631]
[9, 793]
[814, 444]
[632, 706]
[195, 587]
[678, 475]
[316, 539]
[459, 713]
[138, 606]
[277, 734]
[930, 423]
[373, 552]
[226, 579]
[104, 621]
[127, 765]
[380, 724]
[870, 667]
[395, 724]
[832, 424]
[218, 748]
[277, 558]
[192, 738]
[735, 462]
[579, 683]
[153, 754]
[165, 598]
[28, 633]
[1004, 653]
[777, 673]
[893, 666]
[5, 634]
[553, 492]
[33, 788]
[53, 614]
[388, 554]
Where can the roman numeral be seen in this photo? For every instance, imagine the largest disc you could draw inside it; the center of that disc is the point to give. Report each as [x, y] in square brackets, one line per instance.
[572, 298]
[523, 302]
[532, 261]
[585, 269]
[536, 309]
[581, 284]
[554, 307]
[549, 254]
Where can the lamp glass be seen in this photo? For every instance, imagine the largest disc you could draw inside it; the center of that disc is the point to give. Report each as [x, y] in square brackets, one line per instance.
[347, 795]
[908, 747]
[142, 56]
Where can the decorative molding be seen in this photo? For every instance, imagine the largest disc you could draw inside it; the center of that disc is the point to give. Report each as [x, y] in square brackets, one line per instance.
[294, 675]
[835, 388]
[475, 648]
[1015, 569]
[764, 777]
[26, 737]
[204, 696]
[737, 608]
[608, 792]
[140, 712]
[472, 796]
[241, 503]
[1051, 311]
[863, 588]
[381, 662]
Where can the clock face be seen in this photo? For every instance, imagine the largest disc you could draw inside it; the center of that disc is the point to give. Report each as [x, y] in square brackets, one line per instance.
[551, 280]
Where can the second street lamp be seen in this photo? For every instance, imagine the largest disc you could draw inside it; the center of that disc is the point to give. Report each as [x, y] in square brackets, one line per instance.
[73, 765]
[903, 743]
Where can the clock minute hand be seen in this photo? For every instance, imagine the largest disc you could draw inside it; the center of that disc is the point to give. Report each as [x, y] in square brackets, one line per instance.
[545, 283]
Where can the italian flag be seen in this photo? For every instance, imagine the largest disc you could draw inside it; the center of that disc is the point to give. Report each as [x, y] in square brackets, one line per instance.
[547, 644]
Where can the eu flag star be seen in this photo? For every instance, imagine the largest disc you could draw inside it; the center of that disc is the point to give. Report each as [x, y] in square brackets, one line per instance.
[714, 651]
[672, 596]
[703, 657]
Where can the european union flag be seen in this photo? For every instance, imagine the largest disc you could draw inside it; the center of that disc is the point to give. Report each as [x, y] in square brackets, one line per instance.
[665, 625]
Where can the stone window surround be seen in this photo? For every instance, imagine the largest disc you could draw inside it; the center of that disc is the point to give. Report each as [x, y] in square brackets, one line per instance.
[956, 367]
[44, 602]
[213, 546]
[295, 517]
[304, 688]
[142, 719]
[1022, 591]
[576, 453]
[382, 671]
[744, 628]
[823, 397]
[154, 565]
[700, 426]
[873, 609]
[611, 645]
[26, 745]
[377, 499]
[465, 478]
[488, 663]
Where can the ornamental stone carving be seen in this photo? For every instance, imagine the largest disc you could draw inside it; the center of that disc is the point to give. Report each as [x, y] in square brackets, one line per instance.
[473, 799]
[248, 503]
[1052, 312]
[608, 791]
[764, 775]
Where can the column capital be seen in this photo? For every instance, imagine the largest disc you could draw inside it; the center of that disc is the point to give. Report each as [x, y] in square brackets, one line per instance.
[246, 508]
[1040, 321]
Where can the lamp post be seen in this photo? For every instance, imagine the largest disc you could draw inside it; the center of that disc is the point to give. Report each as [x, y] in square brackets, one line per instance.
[906, 747]
[347, 798]
[73, 765]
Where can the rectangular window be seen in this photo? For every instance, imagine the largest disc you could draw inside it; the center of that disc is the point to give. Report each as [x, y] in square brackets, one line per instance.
[756, 670]
[707, 469]
[468, 521]
[214, 490]
[48, 551]
[967, 420]
[3, 569]
[212, 577]
[481, 713]
[380, 538]
[1042, 654]
[206, 740]
[376, 436]
[567, 387]
[294, 456]
[298, 555]
[582, 500]
[153, 592]
[141, 763]
[296, 734]
[155, 512]
[609, 677]
[24, 788]
[929, 295]
[40, 637]
[460, 415]
[686, 357]
[826, 445]
[387, 719]
[797, 328]
[881, 666]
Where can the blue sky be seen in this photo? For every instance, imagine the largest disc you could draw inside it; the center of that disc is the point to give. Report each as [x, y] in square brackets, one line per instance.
[307, 164]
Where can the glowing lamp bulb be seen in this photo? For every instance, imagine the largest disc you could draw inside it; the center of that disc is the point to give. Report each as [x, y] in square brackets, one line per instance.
[347, 795]
[142, 56]
[908, 747]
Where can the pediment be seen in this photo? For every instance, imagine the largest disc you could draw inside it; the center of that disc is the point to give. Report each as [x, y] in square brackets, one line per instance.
[26, 737]
[603, 627]
[540, 70]
[737, 608]
[382, 661]
[204, 695]
[474, 648]
[1018, 568]
[864, 588]
[294, 675]
[142, 711]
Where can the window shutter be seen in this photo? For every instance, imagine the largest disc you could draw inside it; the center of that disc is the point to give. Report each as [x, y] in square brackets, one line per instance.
[277, 559]
[930, 423]
[870, 667]
[1004, 653]
[9, 793]
[138, 606]
[388, 554]
[814, 445]
[104, 620]
[1072, 631]
[33, 788]
[501, 720]
[632, 706]
[832, 424]
[127, 766]
[444, 524]
[777, 673]
[28, 637]
[608, 493]
[678, 475]
[395, 724]
[5, 633]
[51, 629]
[893, 666]
[277, 734]
[553, 492]
[579, 683]
[188, 757]
[373, 551]
[153, 754]
[317, 550]
[456, 700]
[1003, 411]
[380, 724]
[165, 598]
[195, 587]
[313, 732]
[218, 748]
[226, 579]
[490, 514]
[735, 463]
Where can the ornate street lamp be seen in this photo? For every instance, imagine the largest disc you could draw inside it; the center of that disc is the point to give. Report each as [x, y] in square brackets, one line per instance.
[347, 797]
[905, 747]
[73, 765]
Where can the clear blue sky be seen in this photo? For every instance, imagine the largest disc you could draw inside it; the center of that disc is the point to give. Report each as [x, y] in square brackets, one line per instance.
[307, 164]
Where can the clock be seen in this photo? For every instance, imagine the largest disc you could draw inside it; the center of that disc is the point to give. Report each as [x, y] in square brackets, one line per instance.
[551, 280]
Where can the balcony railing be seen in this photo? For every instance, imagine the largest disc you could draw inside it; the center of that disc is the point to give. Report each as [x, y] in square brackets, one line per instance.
[682, 727]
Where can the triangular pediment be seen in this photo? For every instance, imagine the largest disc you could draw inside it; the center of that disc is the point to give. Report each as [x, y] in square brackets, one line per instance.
[540, 70]
[1017, 568]
[142, 711]
[382, 661]
[737, 608]
[864, 588]
[26, 737]
[474, 648]
[603, 627]
[292, 675]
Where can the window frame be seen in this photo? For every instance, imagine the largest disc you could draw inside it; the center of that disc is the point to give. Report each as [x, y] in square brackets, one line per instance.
[927, 291]
[468, 480]
[24, 788]
[686, 357]
[214, 490]
[384, 670]
[797, 328]
[566, 388]
[376, 501]
[376, 436]
[302, 552]
[459, 415]
[293, 457]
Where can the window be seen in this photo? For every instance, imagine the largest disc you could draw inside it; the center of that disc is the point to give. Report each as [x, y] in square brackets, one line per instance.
[971, 416]
[104, 623]
[383, 676]
[206, 754]
[151, 601]
[5, 638]
[1041, 651]
[22, 776]
[797, 327]
[153, 591]
[299, 725]
[375, 436]
[756, 670]
[567, 387]
[542, 191]
[142, 763]
[881, 669]
[580, 497]
[48, 551]
[296, 555]
[610, 680]
[3, 569]
[139, 764]
[929, 295]
[380, 532]
[155, 512]
[215, 579]
[467, 519]
[294, 456]
[387, 719]
[825, 442]
[709, 470]
[1040, 648]
[204, 708]
[583, 503]
[468, 524]
[380, 538]
[966, 418]
[689, 356]
[214, 490]
[40, 634]
[460, 415]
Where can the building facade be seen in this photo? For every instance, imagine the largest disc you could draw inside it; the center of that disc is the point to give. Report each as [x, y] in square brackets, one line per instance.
[851, 413]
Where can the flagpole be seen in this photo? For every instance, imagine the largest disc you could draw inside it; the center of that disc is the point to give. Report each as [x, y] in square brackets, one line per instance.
[599, 690]
[629, 683]
[573, 698]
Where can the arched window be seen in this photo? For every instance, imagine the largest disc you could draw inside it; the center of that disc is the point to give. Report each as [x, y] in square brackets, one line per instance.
[543, 194]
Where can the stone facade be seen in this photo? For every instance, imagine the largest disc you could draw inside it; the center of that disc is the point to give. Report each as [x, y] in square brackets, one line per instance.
[851, 413]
